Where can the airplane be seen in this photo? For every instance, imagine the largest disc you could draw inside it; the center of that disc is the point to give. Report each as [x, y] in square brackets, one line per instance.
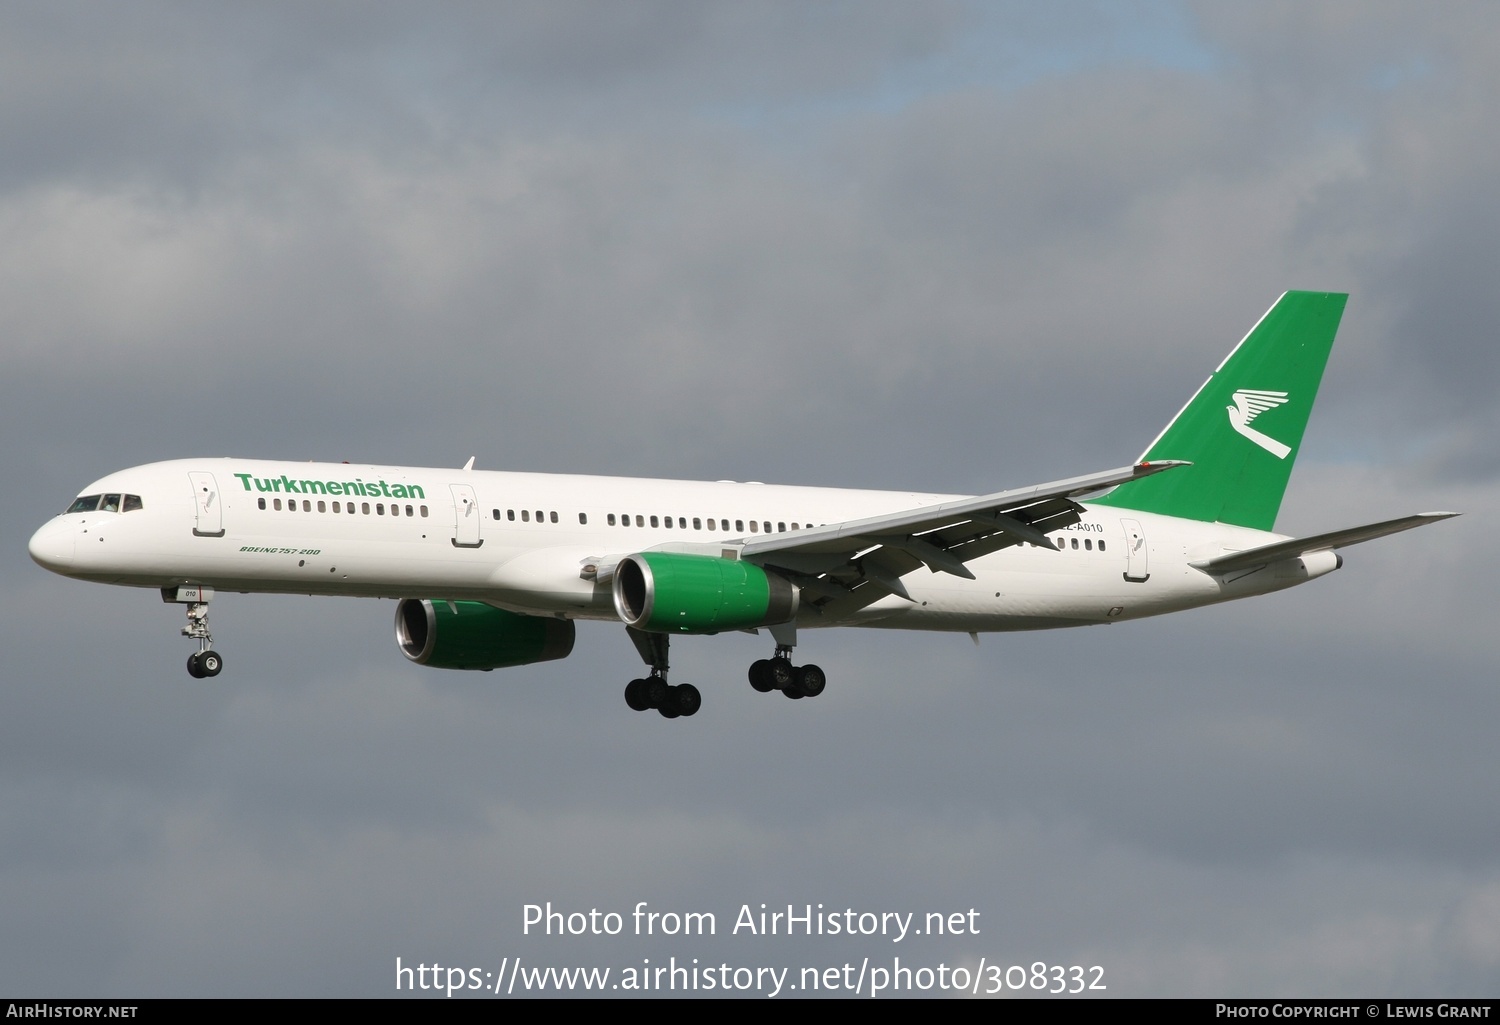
[491, 570]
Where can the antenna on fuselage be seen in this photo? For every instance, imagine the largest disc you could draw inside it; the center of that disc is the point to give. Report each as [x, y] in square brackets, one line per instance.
[470, 464]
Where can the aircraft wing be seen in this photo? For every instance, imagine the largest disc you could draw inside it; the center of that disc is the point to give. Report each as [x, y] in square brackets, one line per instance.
[1265, 554]
[844, 567]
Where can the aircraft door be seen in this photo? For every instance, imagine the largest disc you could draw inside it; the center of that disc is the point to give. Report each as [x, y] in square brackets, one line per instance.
[467, 518]
[1135, 551]
[206, 501]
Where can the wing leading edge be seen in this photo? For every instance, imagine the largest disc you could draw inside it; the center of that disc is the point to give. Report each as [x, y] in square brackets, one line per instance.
[844, 567]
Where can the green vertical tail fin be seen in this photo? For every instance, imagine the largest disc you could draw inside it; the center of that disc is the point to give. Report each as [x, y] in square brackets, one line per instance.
[1243, 428]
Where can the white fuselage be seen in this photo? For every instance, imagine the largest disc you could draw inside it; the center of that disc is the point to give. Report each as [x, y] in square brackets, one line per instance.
[527, 542]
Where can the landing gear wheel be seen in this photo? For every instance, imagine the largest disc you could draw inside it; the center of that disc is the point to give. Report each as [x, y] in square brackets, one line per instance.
[656, 692]
[194, 670]
[211, 663]
[811, 681]
[760, 675]
[635, 695]
[781, 673]
[792, 691]
[653, 690]
[686, 699]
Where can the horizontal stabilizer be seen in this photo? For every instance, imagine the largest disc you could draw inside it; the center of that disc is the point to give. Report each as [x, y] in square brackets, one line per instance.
[1249, 559]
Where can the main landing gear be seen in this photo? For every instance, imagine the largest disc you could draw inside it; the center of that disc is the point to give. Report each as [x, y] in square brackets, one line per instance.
[767, 674]
[205, 661]
[653, 691]
[778, 673]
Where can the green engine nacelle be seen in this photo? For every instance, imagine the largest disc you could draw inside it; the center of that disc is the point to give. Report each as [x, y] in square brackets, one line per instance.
[473, 635]
[665, 592]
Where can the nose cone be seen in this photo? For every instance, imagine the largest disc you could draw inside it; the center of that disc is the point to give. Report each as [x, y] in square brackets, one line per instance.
[53, 546]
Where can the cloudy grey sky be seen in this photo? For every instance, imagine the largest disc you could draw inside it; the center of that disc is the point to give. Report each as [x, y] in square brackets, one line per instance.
[931, 246]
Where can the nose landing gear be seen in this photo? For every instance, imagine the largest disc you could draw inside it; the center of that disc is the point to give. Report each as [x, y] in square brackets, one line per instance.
[205, 662]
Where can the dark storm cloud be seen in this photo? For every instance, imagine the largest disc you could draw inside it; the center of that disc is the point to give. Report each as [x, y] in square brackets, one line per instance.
[165, 95]
[1416, 215]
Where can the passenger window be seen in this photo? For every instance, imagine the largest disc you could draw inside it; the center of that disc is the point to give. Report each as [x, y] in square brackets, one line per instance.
[525, 515]
[780, 528]
[653, 521]
[1101, 544]
[337, 507]
[495, 513]
[640, 521]
[276, 504]
[553, 515]
[739, 524]
[583, 518]
[379, 508]
[610, 519]
[697, 523]
[711, 524]
[322, 506]
[408, 510]
[261, 502]
[307, 505]
[1088, 545]
[365, 508]
[1075, 544]
[539, 517]
[754, 527]
[424, 510]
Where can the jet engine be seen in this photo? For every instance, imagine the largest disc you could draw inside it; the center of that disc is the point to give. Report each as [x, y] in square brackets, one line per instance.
[665, 592]
[473, 635]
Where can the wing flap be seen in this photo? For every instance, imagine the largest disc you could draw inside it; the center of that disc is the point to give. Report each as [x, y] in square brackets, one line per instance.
[925, 519]
[852, 565]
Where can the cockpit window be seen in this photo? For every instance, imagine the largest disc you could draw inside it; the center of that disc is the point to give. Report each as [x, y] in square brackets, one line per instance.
[106, 503]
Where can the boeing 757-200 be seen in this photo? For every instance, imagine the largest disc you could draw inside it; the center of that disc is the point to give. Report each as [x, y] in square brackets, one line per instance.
[492, 570]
